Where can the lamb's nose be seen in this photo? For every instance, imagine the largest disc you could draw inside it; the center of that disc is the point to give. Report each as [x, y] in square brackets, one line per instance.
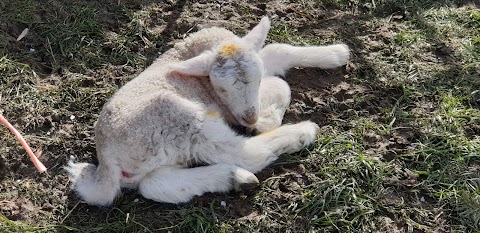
[251, 116]
[250, 121]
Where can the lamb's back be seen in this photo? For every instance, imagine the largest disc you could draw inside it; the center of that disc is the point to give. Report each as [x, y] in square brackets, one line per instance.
[156, 101]
[155, 81]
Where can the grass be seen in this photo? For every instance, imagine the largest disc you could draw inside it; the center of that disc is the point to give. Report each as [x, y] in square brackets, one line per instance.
[398, 149]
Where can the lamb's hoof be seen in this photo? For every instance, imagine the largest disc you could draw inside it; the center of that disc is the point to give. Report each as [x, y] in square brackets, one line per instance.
[342, 54]
[244, 180]
[310, 131]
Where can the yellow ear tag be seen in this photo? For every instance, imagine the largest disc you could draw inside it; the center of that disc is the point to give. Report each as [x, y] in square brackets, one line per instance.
[228, 50]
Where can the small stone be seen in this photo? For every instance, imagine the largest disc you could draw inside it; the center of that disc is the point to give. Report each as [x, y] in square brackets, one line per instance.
[136, 200]
[223, 203]
[422, 199]
[72, 117]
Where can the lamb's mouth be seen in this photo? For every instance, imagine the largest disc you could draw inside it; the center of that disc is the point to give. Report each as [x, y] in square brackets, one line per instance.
[247, 122]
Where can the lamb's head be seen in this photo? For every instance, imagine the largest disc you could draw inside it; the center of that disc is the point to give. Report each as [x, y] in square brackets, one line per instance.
[235, 70]
[235, 76]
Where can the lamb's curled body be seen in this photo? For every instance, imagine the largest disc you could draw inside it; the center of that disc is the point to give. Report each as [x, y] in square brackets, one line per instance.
[178, 113]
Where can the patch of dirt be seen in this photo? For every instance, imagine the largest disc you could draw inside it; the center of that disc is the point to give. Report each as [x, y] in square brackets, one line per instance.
[3, 169]
[19, 209]
[309, 87]
[386, 224]
[318, 95]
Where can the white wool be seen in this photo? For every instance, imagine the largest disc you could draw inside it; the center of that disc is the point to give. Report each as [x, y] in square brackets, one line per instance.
[177, 114]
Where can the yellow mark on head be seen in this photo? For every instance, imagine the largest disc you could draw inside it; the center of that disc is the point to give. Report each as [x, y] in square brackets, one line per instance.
[229, 50]
[213, 114]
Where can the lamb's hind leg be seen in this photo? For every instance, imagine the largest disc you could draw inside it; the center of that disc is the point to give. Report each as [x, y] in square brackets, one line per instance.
[178, 185]
[278, 58]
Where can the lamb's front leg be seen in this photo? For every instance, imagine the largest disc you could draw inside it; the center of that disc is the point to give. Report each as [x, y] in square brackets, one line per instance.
[178, 185]
[275, 97]
[278, 58]
[255, 153]
[286, 139]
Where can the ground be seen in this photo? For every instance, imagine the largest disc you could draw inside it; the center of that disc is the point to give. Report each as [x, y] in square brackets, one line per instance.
[398, 149]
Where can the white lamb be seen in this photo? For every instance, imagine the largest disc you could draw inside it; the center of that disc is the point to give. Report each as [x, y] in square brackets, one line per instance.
[178, 112]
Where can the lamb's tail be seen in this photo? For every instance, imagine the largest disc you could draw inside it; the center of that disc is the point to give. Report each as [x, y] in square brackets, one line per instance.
[95, 185]
[278, 58]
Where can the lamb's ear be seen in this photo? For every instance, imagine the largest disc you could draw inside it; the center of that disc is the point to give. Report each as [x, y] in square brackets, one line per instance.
[196, 66]
[258, 34]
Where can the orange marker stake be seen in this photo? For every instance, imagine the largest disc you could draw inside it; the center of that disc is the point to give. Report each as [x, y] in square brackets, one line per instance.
[39, 165]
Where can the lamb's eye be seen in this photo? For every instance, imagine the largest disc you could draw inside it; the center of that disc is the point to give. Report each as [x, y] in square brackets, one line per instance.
[245, 82]
[220, 89]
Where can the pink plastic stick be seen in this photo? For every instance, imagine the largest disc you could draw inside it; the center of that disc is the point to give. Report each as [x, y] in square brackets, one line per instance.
[39, 165]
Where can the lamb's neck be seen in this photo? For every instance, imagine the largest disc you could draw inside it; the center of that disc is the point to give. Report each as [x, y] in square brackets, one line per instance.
[207, 86]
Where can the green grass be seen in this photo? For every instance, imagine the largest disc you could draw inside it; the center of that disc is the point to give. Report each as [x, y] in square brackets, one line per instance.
[398, 149]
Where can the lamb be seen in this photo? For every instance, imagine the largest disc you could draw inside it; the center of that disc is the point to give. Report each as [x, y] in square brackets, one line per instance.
[177, 114]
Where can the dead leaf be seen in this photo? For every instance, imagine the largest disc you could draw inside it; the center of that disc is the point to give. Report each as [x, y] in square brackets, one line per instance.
[39, 152]
[27, 205]
[23, 34]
